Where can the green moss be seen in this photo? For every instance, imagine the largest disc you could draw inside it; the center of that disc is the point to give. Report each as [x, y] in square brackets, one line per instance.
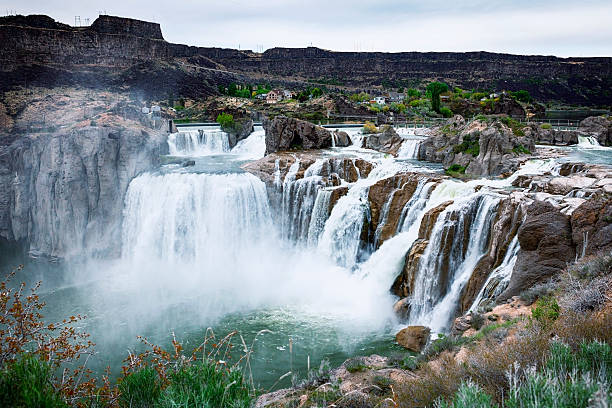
[455, 170]
[520, 149]
[470, 145]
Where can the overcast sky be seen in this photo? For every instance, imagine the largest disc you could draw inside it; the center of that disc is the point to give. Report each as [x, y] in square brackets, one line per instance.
[562, 27]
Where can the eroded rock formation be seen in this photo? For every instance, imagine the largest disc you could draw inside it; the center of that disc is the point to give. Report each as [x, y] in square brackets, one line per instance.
[283, 133]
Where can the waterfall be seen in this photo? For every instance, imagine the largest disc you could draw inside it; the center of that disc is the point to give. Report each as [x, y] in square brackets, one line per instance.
[588, 141]
[298, 199]
[409, 149]
[199, 218]
[198, 142]
[458, 241]
[340, 239]
[414, 207]
[499, 278]
[253, 147]
[320, 212]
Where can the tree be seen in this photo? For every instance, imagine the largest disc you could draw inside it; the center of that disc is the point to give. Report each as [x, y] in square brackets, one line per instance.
[316, 92]
[435, 89]
[225, 120]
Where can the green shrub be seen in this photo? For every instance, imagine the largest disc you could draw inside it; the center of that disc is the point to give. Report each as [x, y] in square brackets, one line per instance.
[546, 310]
[520, 149]
[455, 170]
[470, 145]
[226, 120]
[469, 395]
[516, 126]
[27, 382]
[546, 126]
[446, 112]
[355, 365]
[141, 389]
[536, 291]
[478, 321]
[383, 383]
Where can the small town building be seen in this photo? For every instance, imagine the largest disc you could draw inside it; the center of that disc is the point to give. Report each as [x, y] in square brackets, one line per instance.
[380, 100]
[274, 96]
[396, 97]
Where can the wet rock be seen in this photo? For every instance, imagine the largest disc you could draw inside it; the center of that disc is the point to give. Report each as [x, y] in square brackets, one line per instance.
[189, 163]
[599, 127]
[546, 247]
[401, 308]
[283, 133]
[387, 141]
[413, 338]
[341, 139]
[63, 192]
[243, 127]
[461, 324]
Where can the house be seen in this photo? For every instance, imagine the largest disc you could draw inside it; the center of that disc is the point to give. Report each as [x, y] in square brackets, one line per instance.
[396, 97]
[288, 94]
[262, 96]
[274, 96]
[380, 100]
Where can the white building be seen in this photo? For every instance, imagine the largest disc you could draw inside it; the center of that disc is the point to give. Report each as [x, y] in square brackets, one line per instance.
[380, 100]
[274, 96]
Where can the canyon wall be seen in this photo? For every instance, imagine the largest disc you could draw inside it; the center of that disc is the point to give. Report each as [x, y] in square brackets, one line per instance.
[28, 44]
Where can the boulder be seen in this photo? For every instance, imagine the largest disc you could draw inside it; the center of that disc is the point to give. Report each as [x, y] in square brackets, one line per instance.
[283, 133]
[341, 139]
[598, 126]
[413, 338]
[387, 141]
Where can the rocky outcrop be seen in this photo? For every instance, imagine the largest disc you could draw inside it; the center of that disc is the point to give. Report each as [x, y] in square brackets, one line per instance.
[127, 26]
[550, 136]
[592, 224]
[413, 338]
[341, 139]
[62, 193]
[283, 133]
[546, 247]
[599, 127]
[478, 148]
[241, 130]
[387, 141]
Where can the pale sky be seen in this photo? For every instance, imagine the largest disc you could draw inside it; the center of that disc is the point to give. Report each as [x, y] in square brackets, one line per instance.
[563, 28]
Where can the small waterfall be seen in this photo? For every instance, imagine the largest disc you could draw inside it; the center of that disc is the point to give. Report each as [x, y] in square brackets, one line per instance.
[253, 147]
[192, 217]
[298, 198]
[499, 278]
[198, 142]
[409, 149]
[340, 239]
[320, 212]
[458, 241]
[414, 207]
[588, 141]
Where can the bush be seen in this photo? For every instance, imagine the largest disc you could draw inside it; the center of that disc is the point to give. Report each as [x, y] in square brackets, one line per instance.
[225, 120]
[520, 149]
[546, 126]
[469, 145]
[446, 112]
[469, 395]
[382, 383]
[355, 365]
[369, 128]
[478, 321]
[532, 294]
[27, 382]
[546, 310]
[455, 170]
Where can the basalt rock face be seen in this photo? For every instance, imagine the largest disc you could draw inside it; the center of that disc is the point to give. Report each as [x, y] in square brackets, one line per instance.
[241, 130]
[283, 133]
[41, 51]
[551, 136]
[62, 193]
[387, 141]
[480, 148]
[599, 127]
[546, 247]
[592, 225]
